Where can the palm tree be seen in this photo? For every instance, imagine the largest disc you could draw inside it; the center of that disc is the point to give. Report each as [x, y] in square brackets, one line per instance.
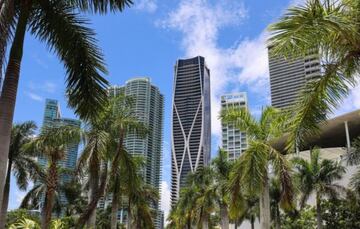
[317, 176]
[75, 201]
[198, 198]
[124, 122]
[174, 219]
[20, 162]
[353, 158]
[141, 209]
[250, 174]
[59, 25]
[249, 211]
[52, 143]
[185, 208]
[222, 168]
[93, 160]
[275, 198]
[331, 28]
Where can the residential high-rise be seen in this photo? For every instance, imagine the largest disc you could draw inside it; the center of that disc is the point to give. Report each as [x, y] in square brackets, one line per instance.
[149, 109]
[191, 121]
[52, 117]
[234, 141]
[289, 76]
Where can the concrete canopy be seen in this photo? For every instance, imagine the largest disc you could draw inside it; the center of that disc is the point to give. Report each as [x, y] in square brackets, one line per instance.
[332, 133]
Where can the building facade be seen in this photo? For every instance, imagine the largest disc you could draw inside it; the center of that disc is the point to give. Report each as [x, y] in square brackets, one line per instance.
[52, 117]
[234, 141]
[191, 121]
[149, 109]
[289, 76]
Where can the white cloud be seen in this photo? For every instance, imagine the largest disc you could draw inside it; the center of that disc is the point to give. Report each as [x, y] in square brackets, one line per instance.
[149, 6]
[34, 96]
[242, 64]
[47, 86]
[165, 202]
[39, 61]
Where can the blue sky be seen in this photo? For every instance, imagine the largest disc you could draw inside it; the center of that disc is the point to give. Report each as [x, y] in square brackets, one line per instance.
[147, 39]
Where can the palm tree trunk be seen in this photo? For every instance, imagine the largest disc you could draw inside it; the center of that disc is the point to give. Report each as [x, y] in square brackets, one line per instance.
[93, 203]
[51, 185]
[224, 214]
[93, 186]
[129, 219]
[318, 211]
[265, 206]
[252, 223]
[114, 211]
[5, 202]
[9, 91]
[205, 222]
[277, 220]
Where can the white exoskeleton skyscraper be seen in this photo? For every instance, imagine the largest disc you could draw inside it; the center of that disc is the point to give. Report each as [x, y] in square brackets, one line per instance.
[191, 121]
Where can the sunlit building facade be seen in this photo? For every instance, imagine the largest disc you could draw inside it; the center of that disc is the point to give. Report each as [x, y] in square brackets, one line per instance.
[234, 141]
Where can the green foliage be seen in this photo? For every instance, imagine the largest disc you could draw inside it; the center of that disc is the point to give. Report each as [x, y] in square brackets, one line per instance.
[306, 218]
[14, 216]
[341, 214]
[317, 176]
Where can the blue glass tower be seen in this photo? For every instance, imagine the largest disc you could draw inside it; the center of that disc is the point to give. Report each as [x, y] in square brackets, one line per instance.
[52, 117]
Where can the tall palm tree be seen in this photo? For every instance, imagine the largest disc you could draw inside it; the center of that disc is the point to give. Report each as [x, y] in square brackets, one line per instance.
[60, 26]
[20, 162]
[185, 211]
[250, 211]
[317, 176]
[124, 122]
[93, 160]
[330, 27]
[198, 198]
[52, 143]
[222, 167]
[250, 174]
[275, 198]
[144, 198]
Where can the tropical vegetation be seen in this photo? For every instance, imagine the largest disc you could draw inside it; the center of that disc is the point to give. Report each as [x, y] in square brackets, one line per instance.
[62, 26]
[263, 186]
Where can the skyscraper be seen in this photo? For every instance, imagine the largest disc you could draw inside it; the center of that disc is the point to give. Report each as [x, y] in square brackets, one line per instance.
[52, 117]
[149, 109]
[191, 121]
[234, 141]
[289, 76]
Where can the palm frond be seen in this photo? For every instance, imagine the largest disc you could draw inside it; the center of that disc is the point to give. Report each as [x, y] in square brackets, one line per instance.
[353, 157]
[314, 24]
[319, 98]
[102, 6]
[242, 119]
[254, 165]
[57, 24]
[33, 196]
[355, 181]
[283, 171]
[7, 19]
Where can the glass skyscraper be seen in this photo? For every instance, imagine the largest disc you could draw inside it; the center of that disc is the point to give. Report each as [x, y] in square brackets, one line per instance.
[52, 117]
[149, 109]
[191, 121]
[234, 141]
